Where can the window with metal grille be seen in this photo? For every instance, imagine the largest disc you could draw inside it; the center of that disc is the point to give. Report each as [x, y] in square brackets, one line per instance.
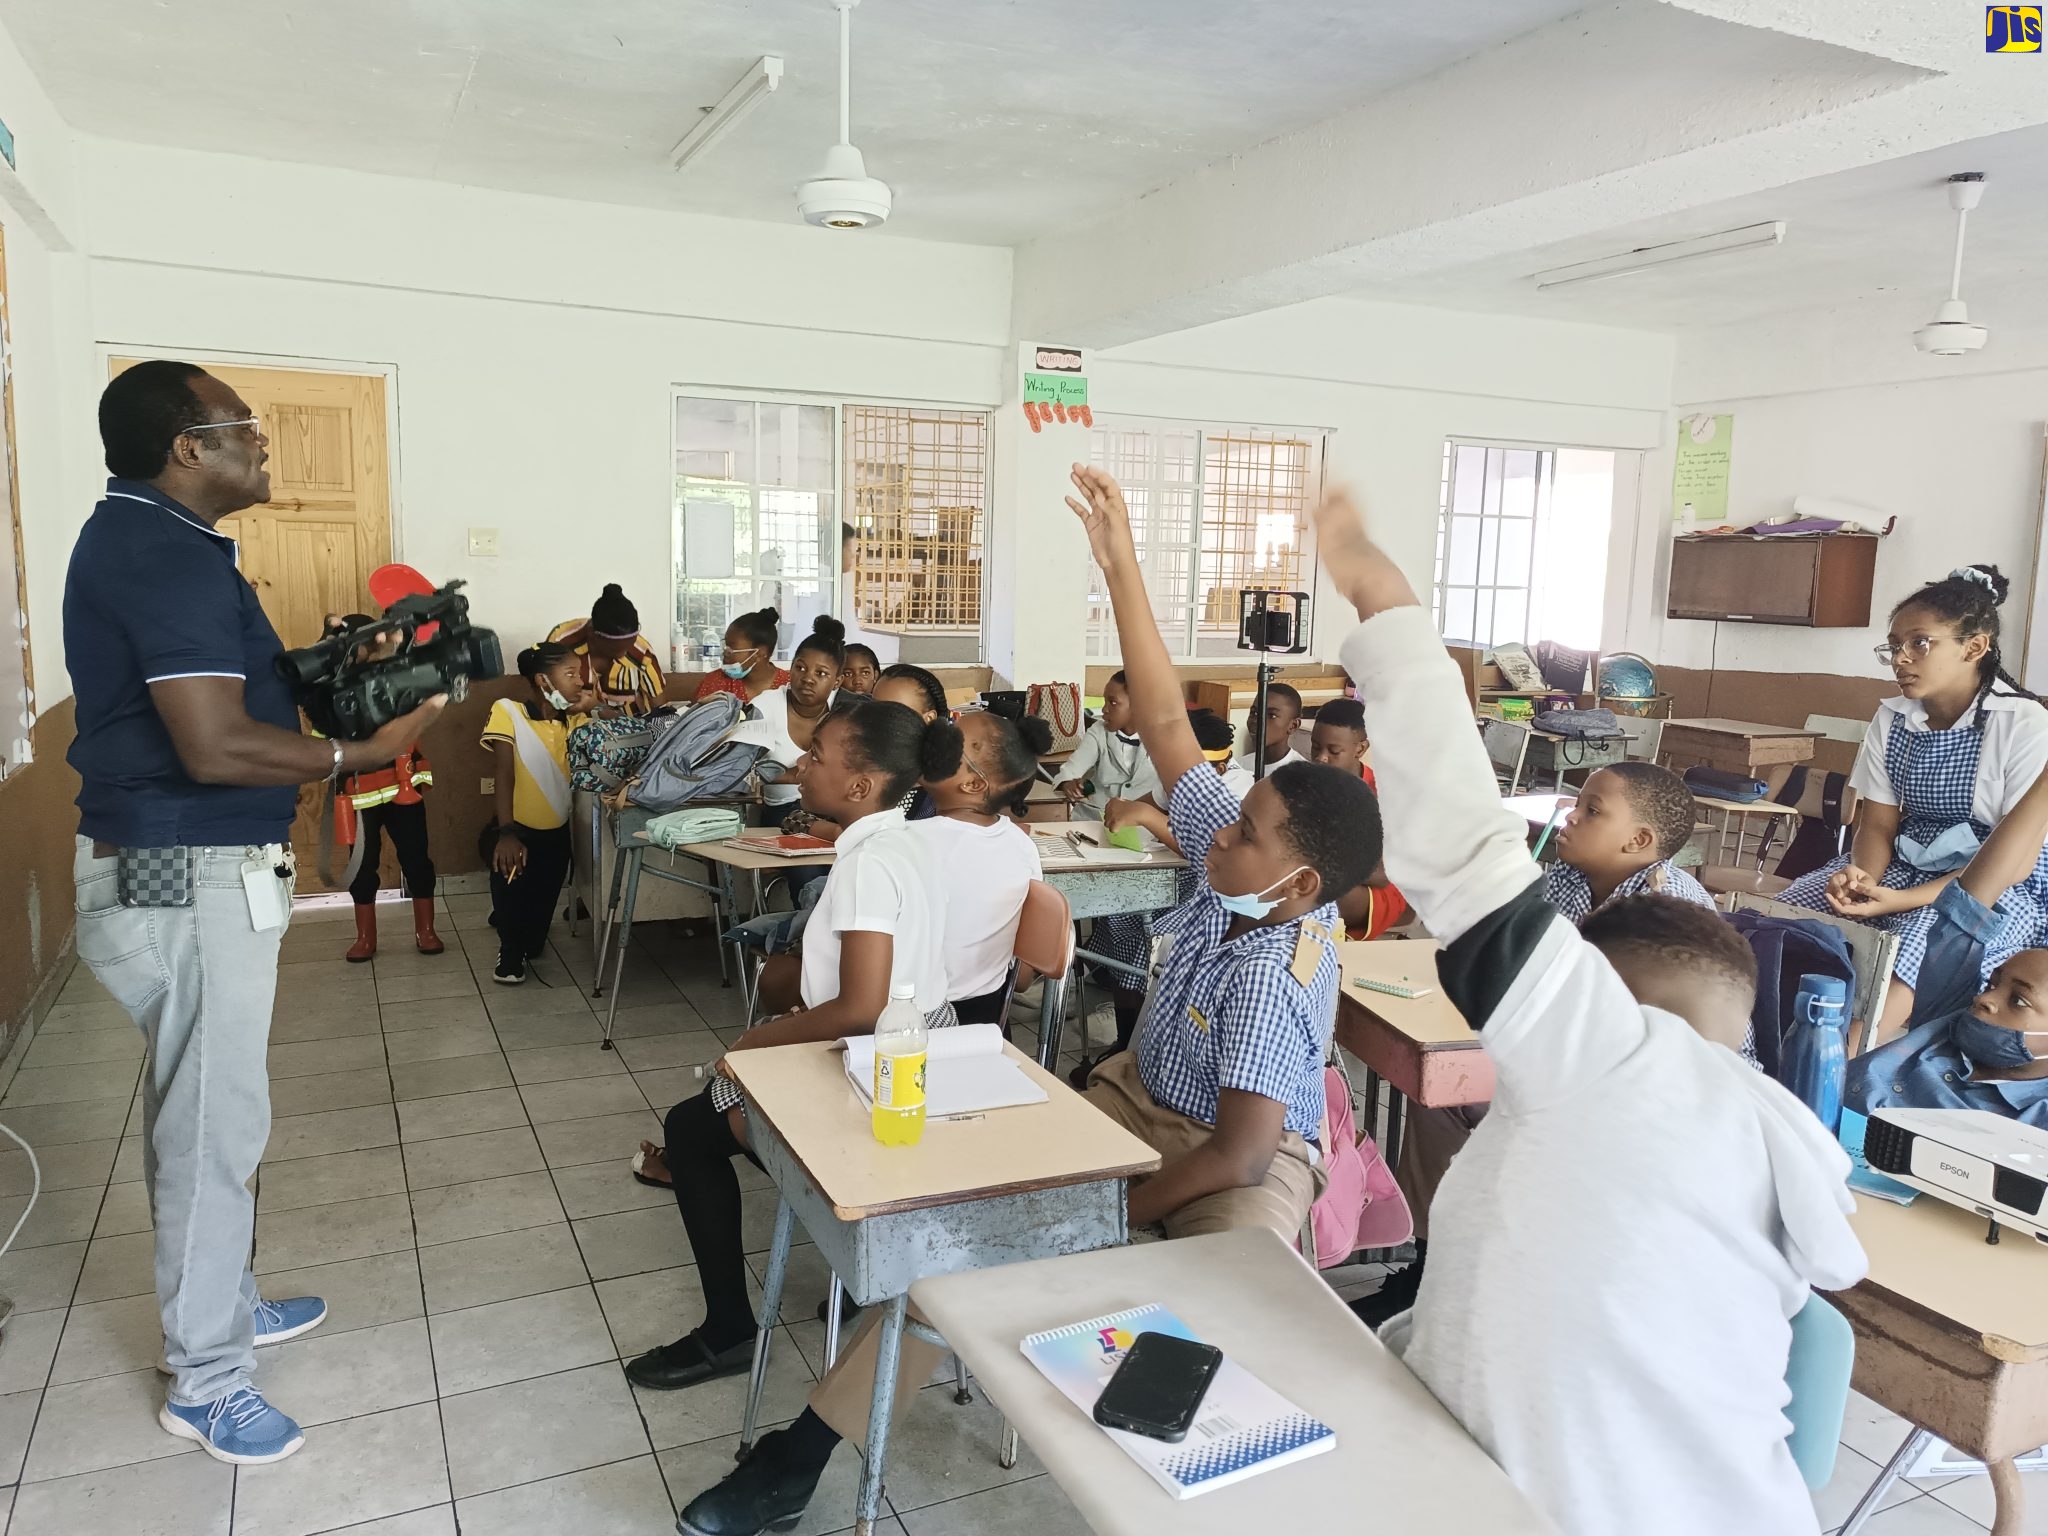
[917, 497]
[1215, 511]
[1521, 545]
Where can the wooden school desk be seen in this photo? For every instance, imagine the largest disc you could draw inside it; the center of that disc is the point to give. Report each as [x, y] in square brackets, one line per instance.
[1399, 1454]
[1030, 1182]
[1422, 1047]
[1952, 1336]
[1734, 746]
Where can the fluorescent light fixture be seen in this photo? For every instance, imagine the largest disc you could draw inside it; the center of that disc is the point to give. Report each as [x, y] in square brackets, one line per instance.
[1643, 258]
[752, 89]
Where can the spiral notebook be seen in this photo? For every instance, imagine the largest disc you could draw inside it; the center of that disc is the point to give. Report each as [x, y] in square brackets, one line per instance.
[1243, 1428]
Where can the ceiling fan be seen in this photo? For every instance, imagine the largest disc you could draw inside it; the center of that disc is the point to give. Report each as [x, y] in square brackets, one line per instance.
[1950, 333]
[842, 195]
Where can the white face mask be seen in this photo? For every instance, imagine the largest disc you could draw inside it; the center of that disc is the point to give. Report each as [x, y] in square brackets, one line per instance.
[547, 691]
[1259, 905]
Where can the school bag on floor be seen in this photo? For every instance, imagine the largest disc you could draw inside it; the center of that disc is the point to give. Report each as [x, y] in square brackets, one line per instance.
[695, 758]
[1787, 948]
[1361, 1206]
[603, 754]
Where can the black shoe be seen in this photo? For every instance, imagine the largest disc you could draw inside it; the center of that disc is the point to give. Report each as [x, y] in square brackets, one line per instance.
[849, 1309]
[687, 1362]
[1396, 1295]
[769, 1491]
[511, 969]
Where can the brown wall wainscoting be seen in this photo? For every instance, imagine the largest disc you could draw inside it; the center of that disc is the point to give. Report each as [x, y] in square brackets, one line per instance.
[38, 822]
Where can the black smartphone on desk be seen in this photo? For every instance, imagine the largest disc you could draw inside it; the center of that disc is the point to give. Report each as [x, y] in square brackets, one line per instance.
[1158, 1386]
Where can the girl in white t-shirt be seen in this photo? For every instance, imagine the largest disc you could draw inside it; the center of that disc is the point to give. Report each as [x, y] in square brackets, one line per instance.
[1941, 765]
[975, 772]
[792, 712]
[878, 924]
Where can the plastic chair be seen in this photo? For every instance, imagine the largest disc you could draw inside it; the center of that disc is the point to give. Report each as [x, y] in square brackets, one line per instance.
[1045, 942]
[1823, 1355]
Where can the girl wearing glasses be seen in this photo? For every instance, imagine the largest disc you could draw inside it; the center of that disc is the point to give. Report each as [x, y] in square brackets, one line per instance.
[1940, 766]
[747, 665]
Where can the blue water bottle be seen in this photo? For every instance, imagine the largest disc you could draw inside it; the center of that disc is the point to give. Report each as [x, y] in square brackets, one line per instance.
[1817, 1053]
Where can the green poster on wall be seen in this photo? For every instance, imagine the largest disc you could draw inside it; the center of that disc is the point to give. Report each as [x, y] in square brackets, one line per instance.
[1699, 480]
[1056, 389]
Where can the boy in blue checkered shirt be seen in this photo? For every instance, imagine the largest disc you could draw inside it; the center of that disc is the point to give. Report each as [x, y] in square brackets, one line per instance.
[1225, 1077]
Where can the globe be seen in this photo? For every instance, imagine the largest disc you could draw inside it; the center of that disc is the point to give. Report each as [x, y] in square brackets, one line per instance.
[1625, 675]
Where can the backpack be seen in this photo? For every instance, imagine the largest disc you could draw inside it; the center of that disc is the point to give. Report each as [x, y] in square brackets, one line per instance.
[1787, 948]
[603, 754]
[1819, 838]
[1361, 1206]
[694, 759]
[1580, 724]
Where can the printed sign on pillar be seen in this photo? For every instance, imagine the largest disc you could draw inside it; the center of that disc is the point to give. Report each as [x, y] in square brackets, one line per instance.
[1055, 388]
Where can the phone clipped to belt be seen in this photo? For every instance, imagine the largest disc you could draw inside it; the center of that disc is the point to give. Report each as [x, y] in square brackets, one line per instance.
[1158, 1386]
[153, 877]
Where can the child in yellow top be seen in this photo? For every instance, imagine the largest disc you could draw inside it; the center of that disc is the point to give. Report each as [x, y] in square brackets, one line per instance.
[528, 739]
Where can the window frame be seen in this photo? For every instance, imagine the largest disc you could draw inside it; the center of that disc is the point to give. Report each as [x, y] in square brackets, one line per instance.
[1185, 649]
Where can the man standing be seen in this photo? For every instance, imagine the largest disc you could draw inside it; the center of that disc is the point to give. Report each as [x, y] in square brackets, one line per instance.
[189, 750]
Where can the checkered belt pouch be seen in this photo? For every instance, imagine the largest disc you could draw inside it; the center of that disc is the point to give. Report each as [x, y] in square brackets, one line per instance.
[154, 877]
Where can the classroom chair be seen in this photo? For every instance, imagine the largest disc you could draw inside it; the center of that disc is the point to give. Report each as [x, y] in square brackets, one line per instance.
[1046, 943]
[1507, 745]
[1817, 1372]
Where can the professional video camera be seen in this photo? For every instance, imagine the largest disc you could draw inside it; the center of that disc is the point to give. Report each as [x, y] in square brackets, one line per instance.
[359, 678]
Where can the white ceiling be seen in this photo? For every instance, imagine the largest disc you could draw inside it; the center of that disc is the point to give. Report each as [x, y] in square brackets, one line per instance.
[1884, 231]
[994, 120]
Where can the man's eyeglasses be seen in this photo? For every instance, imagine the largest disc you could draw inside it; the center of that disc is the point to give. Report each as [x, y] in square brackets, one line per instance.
[1916, 649]
[254, 423]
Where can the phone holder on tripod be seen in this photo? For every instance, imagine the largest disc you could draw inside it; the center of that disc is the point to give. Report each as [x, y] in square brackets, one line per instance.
[1270, 624]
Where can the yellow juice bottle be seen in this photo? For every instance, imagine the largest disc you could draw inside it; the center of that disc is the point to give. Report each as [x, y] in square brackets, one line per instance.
[898, 1115]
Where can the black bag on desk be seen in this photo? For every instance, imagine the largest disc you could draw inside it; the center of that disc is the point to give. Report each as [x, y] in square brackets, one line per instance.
[1580, 724]
[1719, 784]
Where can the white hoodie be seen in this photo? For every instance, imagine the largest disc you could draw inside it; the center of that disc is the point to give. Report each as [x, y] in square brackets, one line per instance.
[1616, 1255]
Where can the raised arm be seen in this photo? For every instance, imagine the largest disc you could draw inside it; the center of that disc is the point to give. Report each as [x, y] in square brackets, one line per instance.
[1156, 703]
[1454, 850]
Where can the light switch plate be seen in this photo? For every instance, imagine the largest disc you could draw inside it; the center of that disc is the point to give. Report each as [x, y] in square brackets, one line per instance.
[488, 786]
[483, 542]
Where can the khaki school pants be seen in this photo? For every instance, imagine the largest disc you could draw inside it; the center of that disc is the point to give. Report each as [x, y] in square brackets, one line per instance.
[1430, 1138]
[1280, 1203]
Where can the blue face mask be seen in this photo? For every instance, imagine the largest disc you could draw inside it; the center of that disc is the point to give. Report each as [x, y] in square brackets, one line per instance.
[1992, 1045]
[1257, 906]
[735, 668]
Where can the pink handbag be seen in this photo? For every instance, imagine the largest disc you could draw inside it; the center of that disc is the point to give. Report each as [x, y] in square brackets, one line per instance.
[1361, 1206]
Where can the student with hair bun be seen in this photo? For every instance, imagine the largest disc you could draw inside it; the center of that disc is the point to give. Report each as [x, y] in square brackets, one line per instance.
[747, 666]
[1941, 765]
[878, 924]
[792, 710]
[617, 659]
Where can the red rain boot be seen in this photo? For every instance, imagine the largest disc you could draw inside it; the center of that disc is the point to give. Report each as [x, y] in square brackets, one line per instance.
[423, 926]
[365, 945]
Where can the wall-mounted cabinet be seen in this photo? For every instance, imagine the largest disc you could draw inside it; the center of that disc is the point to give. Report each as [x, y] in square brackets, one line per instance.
[1822, 582]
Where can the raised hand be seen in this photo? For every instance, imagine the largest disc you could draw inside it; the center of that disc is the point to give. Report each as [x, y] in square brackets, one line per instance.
[1104, 516]
[1359, 568]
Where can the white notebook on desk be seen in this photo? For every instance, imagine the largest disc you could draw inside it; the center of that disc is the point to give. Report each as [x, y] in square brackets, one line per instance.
[966, 1072]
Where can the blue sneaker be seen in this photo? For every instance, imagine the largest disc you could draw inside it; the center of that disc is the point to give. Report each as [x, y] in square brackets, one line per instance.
[277, 1321]
[240, 1428]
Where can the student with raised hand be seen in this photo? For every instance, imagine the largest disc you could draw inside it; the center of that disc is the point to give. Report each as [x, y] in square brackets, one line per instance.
[1616, 1256]
[1283, 719]
[1941, 765]
[878, 924]
[1226, 1079]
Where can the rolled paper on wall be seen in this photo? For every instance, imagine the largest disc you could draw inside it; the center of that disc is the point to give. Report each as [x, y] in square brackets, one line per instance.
[1854, 519]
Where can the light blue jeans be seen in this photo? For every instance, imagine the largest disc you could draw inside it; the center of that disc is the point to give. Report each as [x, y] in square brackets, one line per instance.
[199, 982]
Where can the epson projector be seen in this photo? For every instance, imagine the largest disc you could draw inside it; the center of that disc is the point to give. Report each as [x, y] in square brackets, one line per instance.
[1969, 1157]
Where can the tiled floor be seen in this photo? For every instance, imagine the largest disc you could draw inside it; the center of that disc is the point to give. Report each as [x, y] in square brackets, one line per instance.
[448, 1168]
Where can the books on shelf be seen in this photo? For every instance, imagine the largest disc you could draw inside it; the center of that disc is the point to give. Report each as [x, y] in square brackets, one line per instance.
[1244, 1426]
[966, 1072]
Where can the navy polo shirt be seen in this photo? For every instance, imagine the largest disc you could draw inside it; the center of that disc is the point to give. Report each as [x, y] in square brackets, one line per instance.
[152, 594]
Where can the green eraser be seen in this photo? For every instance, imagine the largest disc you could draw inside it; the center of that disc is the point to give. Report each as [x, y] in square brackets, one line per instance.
[1125, 838]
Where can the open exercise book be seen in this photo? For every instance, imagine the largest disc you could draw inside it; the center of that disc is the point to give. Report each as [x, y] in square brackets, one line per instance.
[966, 1072]
[1244, 1426]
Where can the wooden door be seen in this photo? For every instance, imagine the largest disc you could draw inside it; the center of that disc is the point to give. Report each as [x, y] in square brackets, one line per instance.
[310, 549]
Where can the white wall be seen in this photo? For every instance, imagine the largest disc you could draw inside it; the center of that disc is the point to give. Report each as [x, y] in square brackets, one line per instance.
[1390, 382]
[1840, 405]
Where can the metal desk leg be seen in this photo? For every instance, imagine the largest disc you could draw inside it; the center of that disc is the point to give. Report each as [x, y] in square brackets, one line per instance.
[771, 1309]
[608, 923]
[1372, 1104]
[1396, 1100]
[1874, 1495]
[729, 899]
[833, 1301]
[633, 856]
[881, 1409]
[1052, 1018]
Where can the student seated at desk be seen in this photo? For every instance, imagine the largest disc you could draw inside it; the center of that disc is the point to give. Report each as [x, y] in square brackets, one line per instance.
[1990, 1052]
[1616, 1257]
[1283, 719]
[1339, 741]
[916, 690]
[1110, 763]
[1226, 1078]
[877, 924]
[1619, 839]
[862, 671]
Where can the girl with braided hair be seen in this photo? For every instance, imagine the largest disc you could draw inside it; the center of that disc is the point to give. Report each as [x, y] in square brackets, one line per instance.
[1941, 765]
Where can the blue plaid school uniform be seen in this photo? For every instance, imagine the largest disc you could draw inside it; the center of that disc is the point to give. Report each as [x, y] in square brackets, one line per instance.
[1568, 890]
[1935, 775]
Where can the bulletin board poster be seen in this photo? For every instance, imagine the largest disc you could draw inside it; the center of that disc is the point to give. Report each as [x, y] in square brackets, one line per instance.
[1700, 477]
[1054, 387]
